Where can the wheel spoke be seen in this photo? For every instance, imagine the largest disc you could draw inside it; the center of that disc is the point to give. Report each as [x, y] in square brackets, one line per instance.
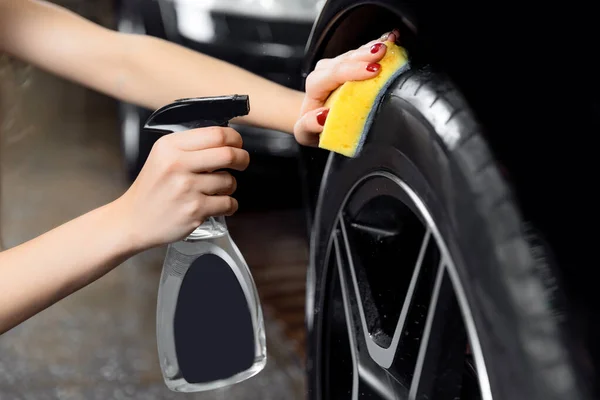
[408, 299]
[348, 274]
[440, 362]
[350, 288]
[369, 380]
[382, 356]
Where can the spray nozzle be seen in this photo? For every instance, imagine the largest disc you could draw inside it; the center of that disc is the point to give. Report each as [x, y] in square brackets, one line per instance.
[198, 112]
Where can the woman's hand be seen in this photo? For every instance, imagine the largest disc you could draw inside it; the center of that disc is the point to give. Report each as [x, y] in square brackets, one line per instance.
[177, 189]
[329, 74]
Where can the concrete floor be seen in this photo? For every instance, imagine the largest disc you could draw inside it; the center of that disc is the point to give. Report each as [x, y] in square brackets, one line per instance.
[60, 158]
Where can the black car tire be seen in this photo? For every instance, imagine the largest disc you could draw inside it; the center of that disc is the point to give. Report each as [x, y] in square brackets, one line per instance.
[425, 140]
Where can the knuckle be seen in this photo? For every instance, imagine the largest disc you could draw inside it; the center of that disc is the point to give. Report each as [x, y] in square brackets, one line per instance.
[183, 183]
[349, 55]
[228, 155]
[196, 223]
[244, 159]
[192, 211]
[321, 63]
[301, 138]
[173, 162]
[300, 128]
[337, 69]
[165, 154]
[173, 167]
[231, 183]
[333, 72]
[220, 135]
[310, 81]
[197, 209]
[162, 141]
[232, 205]
[236, 137]
[161, 146]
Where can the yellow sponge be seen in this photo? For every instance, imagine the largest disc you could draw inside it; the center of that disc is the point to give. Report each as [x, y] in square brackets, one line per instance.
[352, 105]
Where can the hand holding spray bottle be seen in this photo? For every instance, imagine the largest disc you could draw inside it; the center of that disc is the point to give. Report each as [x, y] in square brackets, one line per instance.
[210, 328]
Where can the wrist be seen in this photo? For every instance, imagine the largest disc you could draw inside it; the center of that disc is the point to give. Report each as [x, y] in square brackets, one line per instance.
[296, 106]
[128, 239]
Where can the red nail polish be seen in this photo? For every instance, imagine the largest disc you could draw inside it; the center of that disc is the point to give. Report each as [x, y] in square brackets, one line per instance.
[373, 67]
[376, 47]
[322, 117]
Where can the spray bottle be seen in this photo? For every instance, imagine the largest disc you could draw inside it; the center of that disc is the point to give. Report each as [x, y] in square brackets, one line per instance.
[210, 328]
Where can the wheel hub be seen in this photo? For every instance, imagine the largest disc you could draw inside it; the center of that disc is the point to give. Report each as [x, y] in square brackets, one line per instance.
[397, 324]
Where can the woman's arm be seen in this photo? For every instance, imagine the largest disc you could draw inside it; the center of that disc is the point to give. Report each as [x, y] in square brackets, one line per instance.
[180, 72]
[44, 270]
[152, 72]
[138, 69]
[174, 193]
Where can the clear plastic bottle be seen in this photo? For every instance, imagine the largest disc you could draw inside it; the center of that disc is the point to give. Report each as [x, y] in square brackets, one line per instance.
[210, 328]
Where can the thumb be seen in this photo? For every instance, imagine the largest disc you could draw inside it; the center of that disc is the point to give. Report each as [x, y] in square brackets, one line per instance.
[309, 127]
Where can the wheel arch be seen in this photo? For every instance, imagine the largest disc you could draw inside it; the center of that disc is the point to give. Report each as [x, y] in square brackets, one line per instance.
[345, 25]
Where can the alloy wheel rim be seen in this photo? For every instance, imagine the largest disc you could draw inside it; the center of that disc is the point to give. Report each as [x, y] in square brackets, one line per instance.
[406, 317]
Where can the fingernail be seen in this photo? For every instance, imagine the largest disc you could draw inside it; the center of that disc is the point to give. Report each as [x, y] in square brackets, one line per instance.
[393, 36]
[373, 67]
[376, 47]
[322, 117]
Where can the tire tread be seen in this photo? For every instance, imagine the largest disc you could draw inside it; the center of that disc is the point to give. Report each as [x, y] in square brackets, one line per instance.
[529, 295]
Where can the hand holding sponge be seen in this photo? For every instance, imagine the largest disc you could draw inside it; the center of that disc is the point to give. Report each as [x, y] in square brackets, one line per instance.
[352, 105]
